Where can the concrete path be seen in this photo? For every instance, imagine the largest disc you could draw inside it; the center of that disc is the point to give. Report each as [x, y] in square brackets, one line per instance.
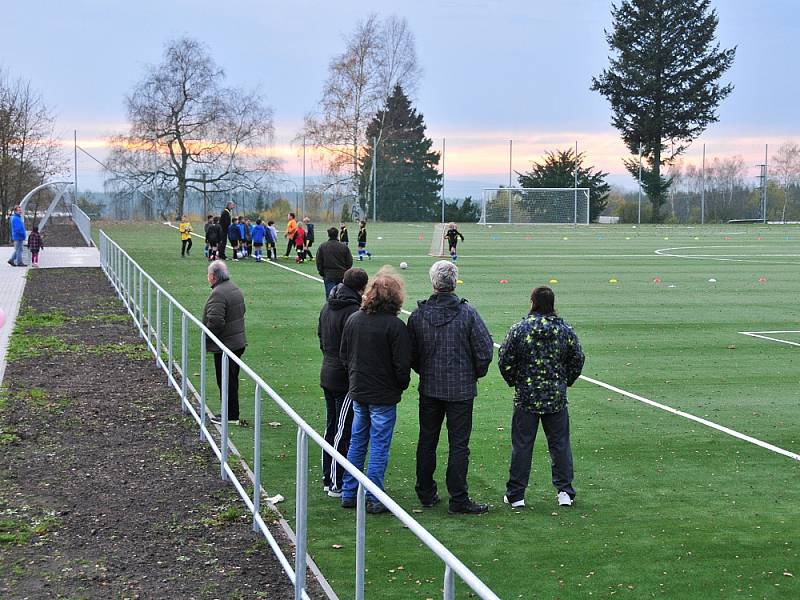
[12, 283]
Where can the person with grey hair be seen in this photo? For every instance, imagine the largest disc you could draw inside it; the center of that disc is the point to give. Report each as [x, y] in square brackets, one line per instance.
[223, 314]
[451, 350]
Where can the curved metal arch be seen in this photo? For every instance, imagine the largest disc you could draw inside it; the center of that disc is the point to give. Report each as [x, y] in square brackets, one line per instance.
[61, 186]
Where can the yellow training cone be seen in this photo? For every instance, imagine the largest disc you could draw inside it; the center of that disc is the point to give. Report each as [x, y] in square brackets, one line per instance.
[554, 280]
[613, 280]
[459, 281]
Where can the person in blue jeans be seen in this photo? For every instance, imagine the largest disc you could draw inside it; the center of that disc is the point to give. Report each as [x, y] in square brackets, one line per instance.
[18, 235]
[376, 351]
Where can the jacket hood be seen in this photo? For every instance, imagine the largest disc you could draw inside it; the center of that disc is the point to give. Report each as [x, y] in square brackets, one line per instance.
[440, 309]
[342, 296]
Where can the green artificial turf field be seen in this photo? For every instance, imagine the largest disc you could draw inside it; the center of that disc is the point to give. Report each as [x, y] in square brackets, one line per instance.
[666, 506]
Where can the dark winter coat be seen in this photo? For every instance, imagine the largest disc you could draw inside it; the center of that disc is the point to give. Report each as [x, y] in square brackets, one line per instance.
[309, 232]
[333, 259]
[342, 303]
[451, 347]
[223, 314]
[225, 220]
[35, 241]
[213, 235]
[540, 357]
[376, 351]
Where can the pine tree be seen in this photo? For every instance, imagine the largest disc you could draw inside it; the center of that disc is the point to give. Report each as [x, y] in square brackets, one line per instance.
[407, 180]
[663, 82]
[558, 171]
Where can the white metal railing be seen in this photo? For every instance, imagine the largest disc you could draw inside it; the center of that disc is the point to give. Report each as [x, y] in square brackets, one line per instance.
[137, 289]
[83, 222]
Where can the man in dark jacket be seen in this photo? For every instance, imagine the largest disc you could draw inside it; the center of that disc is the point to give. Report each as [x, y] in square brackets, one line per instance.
[452, 349]
[225, 219]
[333, 259]
[344, 300]
[223, 314]
[540, 357]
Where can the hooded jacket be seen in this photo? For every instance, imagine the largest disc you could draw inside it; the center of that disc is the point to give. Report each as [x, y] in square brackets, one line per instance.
[342, 303]
[540, 357]
[451, 347]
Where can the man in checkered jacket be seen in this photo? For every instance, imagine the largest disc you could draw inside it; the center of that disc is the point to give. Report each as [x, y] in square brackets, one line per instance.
[451, 350]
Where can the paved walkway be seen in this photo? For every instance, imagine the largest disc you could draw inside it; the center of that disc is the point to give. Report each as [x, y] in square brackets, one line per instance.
[12, 283]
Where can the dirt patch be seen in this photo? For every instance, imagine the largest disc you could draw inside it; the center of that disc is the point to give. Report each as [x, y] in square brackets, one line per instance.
[105, 489]
[59, 232]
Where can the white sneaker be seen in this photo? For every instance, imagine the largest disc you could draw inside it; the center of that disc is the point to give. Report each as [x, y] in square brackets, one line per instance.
[516, 503]
[564, 499]
[335, 493]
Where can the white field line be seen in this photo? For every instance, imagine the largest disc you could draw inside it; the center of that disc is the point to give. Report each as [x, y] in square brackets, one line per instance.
[760, 334]
[719, 257]
[664, 407]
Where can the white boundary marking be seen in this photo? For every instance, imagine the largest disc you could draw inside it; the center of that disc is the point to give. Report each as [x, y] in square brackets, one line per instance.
[724, 257]
[760, 334]
[664, 407]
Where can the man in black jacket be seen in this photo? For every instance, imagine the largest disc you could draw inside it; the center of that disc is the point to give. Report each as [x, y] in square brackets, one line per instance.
[333, 259]
[224, 224]
[451, 350]
[344, 300]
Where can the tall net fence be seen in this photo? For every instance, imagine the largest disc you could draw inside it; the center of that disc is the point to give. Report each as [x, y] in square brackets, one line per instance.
[535, 205]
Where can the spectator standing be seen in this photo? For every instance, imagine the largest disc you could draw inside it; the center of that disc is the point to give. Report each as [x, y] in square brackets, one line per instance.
[35, 245]
[225, 219]
[376, 352]
[18, 235]
[309, 237]
[223, 314]
[185, 229]
[342, 302]
[540, 357]
[333, 259]
[289, 234]
[451, 350]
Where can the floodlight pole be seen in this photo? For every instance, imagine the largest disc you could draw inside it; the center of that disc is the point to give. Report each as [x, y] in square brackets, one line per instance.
[766, 179]
[510, 160]
[374, 179]
[304, 176]
[444, 141]
[639, 218]
[575, 210]
[75, 162]
[703, 190]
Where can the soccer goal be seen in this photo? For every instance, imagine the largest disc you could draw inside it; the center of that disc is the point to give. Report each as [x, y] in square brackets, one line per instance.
[535, 205]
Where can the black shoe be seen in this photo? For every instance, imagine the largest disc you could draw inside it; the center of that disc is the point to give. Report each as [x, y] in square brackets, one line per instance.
[376, 508]
[22, 265]
[431, 502]
[348, 502]
[12, 263]
[468, 508]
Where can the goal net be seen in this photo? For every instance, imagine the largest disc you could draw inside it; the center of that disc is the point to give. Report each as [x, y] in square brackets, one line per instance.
[535, 205]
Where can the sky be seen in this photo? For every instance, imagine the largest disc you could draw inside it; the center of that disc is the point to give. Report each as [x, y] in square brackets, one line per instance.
[493, 71]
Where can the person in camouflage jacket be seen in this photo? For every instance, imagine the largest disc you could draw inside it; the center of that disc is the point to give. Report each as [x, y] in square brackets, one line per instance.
[540, 357]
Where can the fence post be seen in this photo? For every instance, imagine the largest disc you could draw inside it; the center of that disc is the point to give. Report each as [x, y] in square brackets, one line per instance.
[184, 364]
[449, 584]
[158, 328]
[361, 540]
[224, 415]
[301, 515]
[149, 313]
[202, 381]
[169, 342]
[141, 303]
[257, 457]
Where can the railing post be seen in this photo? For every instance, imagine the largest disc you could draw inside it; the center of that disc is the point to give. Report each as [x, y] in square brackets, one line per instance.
[361, 540]
[301, 515]
[224, 415]
[184, 364]
[449, 584]
[141, 303]
[257, 457]
[158, 328]
[202, 381]
[169, 342]
[149, 313]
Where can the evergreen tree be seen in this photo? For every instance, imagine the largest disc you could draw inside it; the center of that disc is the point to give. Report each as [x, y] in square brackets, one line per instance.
[663, 82]
[407, 180]
[558, 171]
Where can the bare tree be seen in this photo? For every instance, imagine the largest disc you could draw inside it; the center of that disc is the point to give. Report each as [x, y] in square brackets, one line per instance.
[187, 129]
[786, 168]
[29, 153]
[378, 55]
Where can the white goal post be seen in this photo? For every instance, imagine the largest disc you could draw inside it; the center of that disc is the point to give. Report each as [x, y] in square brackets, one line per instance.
[535, 205]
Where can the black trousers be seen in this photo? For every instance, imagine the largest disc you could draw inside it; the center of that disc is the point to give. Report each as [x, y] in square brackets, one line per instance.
[289, 246]
[524, 424]
[338, 426]
[221, 249]
[432, 413]
[186, 246]
[233, 383]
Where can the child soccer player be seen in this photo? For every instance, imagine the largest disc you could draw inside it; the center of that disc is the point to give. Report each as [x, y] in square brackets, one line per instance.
[248, 236]
[213, 238]
[35, 245]
[362, 241]
[185, 229]
[309, 238]
[209, 222]
[452, 236]
[343, 235]
[300, 244]
[233, 238]
[259, 233]
[272, 241]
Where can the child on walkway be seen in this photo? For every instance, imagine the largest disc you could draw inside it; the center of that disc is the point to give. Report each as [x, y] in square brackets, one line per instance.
[362, 241]
[185, 229]
[35, 245]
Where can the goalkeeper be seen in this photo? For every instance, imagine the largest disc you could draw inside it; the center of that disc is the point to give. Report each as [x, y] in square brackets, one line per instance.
[452, 236]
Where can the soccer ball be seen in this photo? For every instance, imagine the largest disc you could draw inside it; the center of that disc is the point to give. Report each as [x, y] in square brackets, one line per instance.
[403, 265]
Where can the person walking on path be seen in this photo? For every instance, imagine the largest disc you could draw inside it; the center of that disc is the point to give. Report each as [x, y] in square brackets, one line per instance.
[333, 259]
[223, 314]
[540, 357]
[225, 219]
[376, 350]
[18, 235]
[35, 244]
[185, 229]
[451, 350]
[341, 303]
